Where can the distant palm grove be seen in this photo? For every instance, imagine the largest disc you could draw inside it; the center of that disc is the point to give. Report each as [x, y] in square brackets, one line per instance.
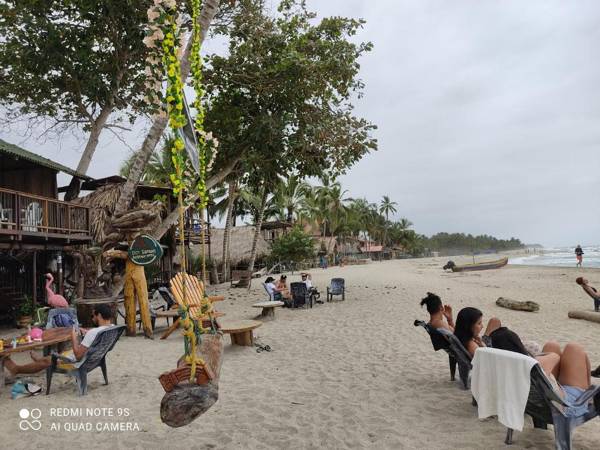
[329, 210]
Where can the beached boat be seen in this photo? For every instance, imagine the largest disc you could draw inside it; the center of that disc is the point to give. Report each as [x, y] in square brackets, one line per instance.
[476, 266]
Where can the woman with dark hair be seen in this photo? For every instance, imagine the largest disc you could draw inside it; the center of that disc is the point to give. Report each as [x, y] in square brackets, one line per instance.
[469, 323]
[440, 315]
[568, 369]
[282, 286]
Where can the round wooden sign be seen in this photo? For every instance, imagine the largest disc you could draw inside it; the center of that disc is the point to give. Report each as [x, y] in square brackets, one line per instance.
[144, 250]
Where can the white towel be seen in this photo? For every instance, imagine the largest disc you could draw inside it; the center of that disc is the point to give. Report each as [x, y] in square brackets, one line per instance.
[500, 383]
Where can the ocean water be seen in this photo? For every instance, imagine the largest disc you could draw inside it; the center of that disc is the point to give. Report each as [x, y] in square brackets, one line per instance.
[560, 257]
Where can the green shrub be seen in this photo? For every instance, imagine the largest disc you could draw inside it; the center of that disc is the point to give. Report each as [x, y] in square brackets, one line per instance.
[295, 246]
[26, 308]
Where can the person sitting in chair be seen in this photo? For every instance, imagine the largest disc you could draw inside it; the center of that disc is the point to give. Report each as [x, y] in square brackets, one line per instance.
[440, 316]
[313, 292]
[282, 286]
[102, 318]
[274, 292]
[591, 291]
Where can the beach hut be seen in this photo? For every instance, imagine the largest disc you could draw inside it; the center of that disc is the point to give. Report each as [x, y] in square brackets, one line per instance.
[36, 228]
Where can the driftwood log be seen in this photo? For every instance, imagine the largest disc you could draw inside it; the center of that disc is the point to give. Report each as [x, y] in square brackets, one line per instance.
[585, 315]
[187, 401]
[517, 305]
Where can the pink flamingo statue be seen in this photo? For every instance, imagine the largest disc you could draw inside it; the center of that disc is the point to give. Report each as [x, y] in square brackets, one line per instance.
[54, 300]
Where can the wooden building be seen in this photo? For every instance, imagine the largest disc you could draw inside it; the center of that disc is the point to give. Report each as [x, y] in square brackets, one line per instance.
[36, 228]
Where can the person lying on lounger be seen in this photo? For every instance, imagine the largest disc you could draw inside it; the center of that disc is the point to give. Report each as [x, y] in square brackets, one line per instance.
[568, 369]
[440, 315]
[102, 318]
[590, 290]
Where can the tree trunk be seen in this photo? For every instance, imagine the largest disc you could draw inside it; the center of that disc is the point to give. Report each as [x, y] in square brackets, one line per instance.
[86, 158]
[261, 214]
[227, 232]
[209, 9]
[173, 217]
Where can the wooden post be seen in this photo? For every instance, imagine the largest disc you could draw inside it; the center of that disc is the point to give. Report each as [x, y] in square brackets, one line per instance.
[34, 281]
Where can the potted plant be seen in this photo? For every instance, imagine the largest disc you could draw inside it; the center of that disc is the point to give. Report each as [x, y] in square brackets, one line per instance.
[25, 312]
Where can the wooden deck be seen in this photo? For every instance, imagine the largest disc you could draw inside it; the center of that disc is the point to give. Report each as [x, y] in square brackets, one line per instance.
[33, 218]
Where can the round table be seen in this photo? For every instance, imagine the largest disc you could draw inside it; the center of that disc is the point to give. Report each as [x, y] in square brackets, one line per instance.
[240, 331]
[268, 309]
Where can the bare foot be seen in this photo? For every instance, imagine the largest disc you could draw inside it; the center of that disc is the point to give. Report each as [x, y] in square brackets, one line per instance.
[35, 357]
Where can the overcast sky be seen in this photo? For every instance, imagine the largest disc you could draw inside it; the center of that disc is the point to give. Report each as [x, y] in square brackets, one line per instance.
[488, 115]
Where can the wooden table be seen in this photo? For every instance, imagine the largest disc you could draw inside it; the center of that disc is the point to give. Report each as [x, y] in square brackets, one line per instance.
[241, 331]
[51, 337]
[268, 309]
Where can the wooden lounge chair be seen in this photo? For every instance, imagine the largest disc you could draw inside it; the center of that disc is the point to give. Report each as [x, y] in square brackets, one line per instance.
[194, 290]
[443, 339]
[337, 287]
[93, 358]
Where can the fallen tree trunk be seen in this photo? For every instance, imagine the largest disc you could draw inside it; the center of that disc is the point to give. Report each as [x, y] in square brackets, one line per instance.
[187, 401]
[517, 305]
[585, 315]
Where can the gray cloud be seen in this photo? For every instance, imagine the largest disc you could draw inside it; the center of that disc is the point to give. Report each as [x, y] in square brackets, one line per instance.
[488, 115]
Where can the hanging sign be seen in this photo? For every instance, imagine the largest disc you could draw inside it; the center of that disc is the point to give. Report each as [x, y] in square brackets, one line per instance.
[145, 250]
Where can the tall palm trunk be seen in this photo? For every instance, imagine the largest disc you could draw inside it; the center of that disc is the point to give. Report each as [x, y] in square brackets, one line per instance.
[209, 9]
[258, 225]
[227, 232]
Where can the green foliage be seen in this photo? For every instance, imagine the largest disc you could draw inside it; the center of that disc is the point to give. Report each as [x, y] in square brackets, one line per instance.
[26, 307]
[281, 97]
[470, 243]
[160, 165]
[295, 246]
[68, 59]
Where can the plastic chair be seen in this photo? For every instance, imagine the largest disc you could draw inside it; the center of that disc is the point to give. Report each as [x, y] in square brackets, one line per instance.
[93, 358]
[300, 295]
[337, 287]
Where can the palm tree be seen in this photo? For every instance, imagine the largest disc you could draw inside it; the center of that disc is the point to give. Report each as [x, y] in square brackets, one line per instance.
[386, 207]
[288, 196]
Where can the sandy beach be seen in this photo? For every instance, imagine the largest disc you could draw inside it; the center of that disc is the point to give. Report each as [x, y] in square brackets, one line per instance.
[353, 374]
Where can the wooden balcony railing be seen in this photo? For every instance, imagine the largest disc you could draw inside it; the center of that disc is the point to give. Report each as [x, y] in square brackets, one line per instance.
[22, 213]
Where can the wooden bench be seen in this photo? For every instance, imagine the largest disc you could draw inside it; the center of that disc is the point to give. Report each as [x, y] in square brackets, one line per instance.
[241, 331]
[268, 309]
[241, 278]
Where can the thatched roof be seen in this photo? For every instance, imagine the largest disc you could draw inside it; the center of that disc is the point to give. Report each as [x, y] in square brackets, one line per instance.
[102, 204]
[240, 244]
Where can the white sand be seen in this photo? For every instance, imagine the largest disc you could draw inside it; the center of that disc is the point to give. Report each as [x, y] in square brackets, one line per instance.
[353, 374]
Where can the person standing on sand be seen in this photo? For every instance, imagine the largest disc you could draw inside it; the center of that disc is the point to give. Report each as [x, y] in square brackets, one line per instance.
[579, 255]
